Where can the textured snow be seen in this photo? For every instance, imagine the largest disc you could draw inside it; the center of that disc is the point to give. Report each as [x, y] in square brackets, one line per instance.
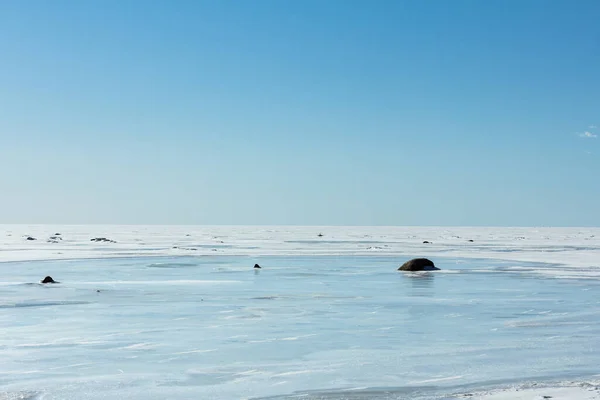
[568, 391]
[575, 247]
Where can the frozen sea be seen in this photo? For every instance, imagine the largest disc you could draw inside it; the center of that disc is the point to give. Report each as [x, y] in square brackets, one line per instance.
[179, 312]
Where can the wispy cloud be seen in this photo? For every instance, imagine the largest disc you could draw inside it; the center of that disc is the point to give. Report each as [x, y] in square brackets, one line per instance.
[588, 134]
[592, 127]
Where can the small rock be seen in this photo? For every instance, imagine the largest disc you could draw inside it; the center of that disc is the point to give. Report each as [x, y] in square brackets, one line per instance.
[48, 279]
[102, 239]
[30, 238]
[470, 240]
[54, 239]
[256, 266]
[320, 235]
[57, 234]
[426, 241]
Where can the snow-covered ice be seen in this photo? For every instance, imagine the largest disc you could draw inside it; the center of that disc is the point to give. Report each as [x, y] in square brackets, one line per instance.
[179, 313]
[575, 247]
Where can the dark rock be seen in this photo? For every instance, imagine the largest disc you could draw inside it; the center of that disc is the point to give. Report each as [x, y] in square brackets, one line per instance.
[426, 241]
[187, 248]
[470, 240]
[256, 266]
[48, 279]
[320, 235]
[102, 239]
[31, 238]
[57, 234]
[418, 264]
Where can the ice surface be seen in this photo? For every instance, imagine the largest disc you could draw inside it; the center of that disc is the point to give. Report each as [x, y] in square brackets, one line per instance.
[325, 318]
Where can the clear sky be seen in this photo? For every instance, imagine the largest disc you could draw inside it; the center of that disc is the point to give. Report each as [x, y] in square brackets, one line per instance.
[300, 112]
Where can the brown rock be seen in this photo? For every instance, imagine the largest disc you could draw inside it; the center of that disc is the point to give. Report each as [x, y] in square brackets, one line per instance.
[418, 264]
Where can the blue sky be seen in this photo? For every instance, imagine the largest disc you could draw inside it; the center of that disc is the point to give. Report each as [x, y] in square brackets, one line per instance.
[300, 112]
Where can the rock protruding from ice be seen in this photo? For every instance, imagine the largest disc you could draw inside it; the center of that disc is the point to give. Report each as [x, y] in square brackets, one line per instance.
[48, 279]
[256, 266]
[418, 264]
[31, 238]
[102, 239]
[54, 239]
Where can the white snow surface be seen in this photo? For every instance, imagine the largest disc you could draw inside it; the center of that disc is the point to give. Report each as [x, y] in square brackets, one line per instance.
[568, 391]
[573, 247]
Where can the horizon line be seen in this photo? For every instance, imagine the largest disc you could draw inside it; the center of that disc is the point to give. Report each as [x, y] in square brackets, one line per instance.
[301, 225]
